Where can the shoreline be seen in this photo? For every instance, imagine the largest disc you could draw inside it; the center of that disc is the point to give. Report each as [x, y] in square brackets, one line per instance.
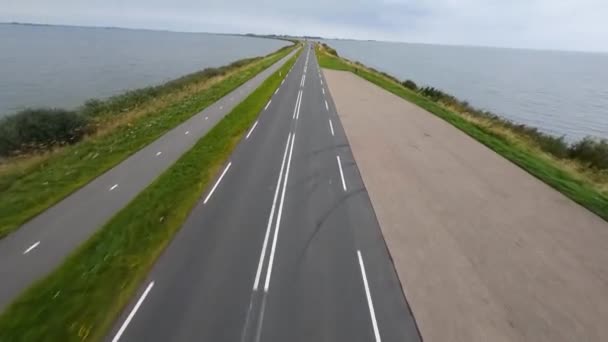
[559, 93]
[51, 170]
[126, 247]
[99, 62]
[484, 250]
[579, 170]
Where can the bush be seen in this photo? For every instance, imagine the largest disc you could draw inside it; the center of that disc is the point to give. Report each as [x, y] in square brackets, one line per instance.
[409, 84]
[36, 129]
[591, 151]
[330, 50]
[430, 92]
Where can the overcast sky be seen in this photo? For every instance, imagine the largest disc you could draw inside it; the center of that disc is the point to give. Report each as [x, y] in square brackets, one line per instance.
[545, 24]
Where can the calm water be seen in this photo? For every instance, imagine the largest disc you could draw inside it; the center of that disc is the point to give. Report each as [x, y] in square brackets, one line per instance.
[64, 66]
[564, 93]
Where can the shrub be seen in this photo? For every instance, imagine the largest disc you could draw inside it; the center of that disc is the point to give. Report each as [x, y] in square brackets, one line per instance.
[93, 107]
[35, 129]
[433, 93]
[409, 84]
[591, 151]
[330, 50]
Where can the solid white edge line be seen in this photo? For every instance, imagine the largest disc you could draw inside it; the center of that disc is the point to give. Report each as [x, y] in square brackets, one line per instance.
[268, 104]
[251, 130]
[278, 222]
[217, 183]
[132, 313]
[276, 91]
[326, 106]
[331, 126]
[341, 173]
[29, 249]
[269, 225]
[114, 187]
[369, 298]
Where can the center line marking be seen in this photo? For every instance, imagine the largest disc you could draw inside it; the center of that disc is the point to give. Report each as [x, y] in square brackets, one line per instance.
[296, 109]
[158, 153]
[206, 118]
[268, 104]
[217, 183]
[31, 247]
[369, 298]
[323, 90]
[269, 225]
[341, 173]
[132, 313]
[187, 132]
[278, 222]
[326, 106]
[114, 187]
[331, 126]
[251, 130]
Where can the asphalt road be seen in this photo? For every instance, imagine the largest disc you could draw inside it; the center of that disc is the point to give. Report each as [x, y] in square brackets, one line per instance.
[284, 247]
[41, 244]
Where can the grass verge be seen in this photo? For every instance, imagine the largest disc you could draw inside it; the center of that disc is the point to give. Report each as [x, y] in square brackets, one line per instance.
[30, 184]
[80, 300]
[577, 181]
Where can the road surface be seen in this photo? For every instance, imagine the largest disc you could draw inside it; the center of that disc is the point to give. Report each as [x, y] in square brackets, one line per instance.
[485, 251]
[41, 244]
[285, 247]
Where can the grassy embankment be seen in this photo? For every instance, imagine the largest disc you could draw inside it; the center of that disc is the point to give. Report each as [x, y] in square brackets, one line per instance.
[80, 300]
[579, 170]
[41, 167]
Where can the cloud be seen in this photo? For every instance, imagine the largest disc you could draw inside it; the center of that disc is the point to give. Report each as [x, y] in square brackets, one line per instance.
[553, 24]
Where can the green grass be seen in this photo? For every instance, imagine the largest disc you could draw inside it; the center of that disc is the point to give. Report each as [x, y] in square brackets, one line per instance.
[26, 192]
[80, 300]
[550, 172]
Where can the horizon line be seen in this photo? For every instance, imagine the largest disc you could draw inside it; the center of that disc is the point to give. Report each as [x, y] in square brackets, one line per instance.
[272, 35]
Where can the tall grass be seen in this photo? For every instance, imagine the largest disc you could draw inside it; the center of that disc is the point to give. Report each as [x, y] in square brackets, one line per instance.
[590, 151]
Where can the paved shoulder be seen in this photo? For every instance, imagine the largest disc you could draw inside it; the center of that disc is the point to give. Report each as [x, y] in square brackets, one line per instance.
[485, 252]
